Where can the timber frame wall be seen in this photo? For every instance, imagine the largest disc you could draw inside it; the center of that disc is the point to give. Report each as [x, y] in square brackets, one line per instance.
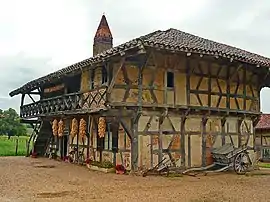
[211, 101]
[207, 92]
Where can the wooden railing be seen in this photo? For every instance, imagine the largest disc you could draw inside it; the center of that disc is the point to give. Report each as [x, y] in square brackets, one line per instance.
[91, 101]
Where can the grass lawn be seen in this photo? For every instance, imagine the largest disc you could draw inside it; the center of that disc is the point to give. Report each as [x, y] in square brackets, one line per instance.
[8, 146]
[264, 165]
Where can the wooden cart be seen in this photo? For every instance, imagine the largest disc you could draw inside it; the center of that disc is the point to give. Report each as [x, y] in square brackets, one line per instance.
[225, 158]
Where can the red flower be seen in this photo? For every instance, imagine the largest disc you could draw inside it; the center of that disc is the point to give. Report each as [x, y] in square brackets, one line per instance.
[120, 169]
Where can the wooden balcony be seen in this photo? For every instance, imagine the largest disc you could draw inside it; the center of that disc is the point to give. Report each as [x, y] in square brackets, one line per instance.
[74, 103]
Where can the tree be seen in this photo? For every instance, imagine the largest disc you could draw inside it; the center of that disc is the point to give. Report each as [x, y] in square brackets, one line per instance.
[10, 123]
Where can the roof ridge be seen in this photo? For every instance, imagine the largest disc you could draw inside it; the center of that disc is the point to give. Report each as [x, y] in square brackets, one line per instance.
[218, 42]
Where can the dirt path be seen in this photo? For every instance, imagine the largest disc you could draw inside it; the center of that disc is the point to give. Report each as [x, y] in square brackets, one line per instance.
[25, 179]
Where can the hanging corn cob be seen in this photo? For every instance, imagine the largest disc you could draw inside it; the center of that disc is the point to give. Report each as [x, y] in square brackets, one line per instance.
[101, 127]
[60, 128]
[82, 128]
[55, 127]
[74, 128]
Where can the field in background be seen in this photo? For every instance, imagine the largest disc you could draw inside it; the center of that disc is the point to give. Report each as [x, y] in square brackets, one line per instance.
[8, 146]
[264, 165]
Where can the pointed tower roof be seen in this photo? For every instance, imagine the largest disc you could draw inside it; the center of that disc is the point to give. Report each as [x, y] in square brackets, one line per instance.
[103, 30]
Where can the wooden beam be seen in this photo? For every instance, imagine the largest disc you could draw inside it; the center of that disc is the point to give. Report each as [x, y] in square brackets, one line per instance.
[188, 80]
[31, 98]
[239, 122]
[126, 128]
[160, 140]
[209, 84]
[34, 93]
[228, 88]
[245, 87]
[182, 140]
[122, 63]
[223, 131]
[203, 122]
[134, 144]
[22, 99]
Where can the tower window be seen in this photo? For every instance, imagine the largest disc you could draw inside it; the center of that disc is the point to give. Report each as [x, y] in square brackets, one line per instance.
[92, 78]
[104, 75]
[170, 79]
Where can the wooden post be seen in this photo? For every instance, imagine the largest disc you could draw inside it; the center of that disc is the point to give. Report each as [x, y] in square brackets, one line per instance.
[239, 122]
[183, 131]
[160, 139]
[188, 81]
[209, 84]
[204, 121]
[134, 144]
[228, 89]
[189, 151]
[16, 147]
[245, 87]
[88, 136]
[223, 131]
[77, 143]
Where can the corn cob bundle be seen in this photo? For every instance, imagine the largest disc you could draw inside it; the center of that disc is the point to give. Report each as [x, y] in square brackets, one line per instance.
[55, 127]
[60, 128]
[82, 128]
[74, 128]
[101, 127]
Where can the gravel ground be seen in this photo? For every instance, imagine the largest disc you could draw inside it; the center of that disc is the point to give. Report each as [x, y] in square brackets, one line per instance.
[26, 179]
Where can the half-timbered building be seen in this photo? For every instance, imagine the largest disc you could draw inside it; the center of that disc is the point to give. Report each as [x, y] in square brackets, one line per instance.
[262, 138]
[165, 94]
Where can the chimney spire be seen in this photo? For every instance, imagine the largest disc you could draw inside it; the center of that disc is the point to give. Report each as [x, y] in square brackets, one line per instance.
[103, 39]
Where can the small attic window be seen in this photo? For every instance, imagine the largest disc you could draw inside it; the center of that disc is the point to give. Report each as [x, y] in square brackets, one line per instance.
[170, 79]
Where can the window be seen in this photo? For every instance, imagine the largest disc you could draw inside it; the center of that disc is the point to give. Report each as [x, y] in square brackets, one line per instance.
[170, 79]
[104, 75]
[100, 143]
[92, 78]
[110, 141]
[114, 129]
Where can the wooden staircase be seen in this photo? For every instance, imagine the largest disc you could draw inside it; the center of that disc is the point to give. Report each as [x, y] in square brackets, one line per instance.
[43, 138]
[40, 137]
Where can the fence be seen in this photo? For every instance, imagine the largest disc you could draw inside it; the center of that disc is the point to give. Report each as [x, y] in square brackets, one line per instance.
[14, 146]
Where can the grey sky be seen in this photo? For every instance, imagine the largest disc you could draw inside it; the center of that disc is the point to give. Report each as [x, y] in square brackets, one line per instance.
[41, 36]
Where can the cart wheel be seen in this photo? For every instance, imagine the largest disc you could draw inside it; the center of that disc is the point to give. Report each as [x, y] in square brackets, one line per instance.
[241, 163]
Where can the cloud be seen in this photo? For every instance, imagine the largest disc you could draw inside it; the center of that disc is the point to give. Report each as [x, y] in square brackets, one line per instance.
[38, 37]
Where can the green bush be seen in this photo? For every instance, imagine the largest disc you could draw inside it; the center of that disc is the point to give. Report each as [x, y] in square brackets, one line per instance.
[104, 164]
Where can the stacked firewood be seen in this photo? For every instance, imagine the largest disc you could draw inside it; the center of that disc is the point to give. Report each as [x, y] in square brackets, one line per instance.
[74, 128]
[82, 128]
[55, 127]
[101, 127]
[60, 128]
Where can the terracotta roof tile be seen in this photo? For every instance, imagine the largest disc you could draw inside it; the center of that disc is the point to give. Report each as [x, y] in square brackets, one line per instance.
[264, 122]
[103, 29]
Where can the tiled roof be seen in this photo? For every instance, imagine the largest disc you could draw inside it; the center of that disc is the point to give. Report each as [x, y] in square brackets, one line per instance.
[103, 29]
[264, 122]
[170, 39]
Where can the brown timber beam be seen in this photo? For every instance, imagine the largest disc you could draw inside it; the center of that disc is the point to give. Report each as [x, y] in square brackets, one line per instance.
[182, 140]
[22, 99]
[134, 140]
[29, 95]
[188, 80]
[204, 122]
[223, 131]
[122, 63]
